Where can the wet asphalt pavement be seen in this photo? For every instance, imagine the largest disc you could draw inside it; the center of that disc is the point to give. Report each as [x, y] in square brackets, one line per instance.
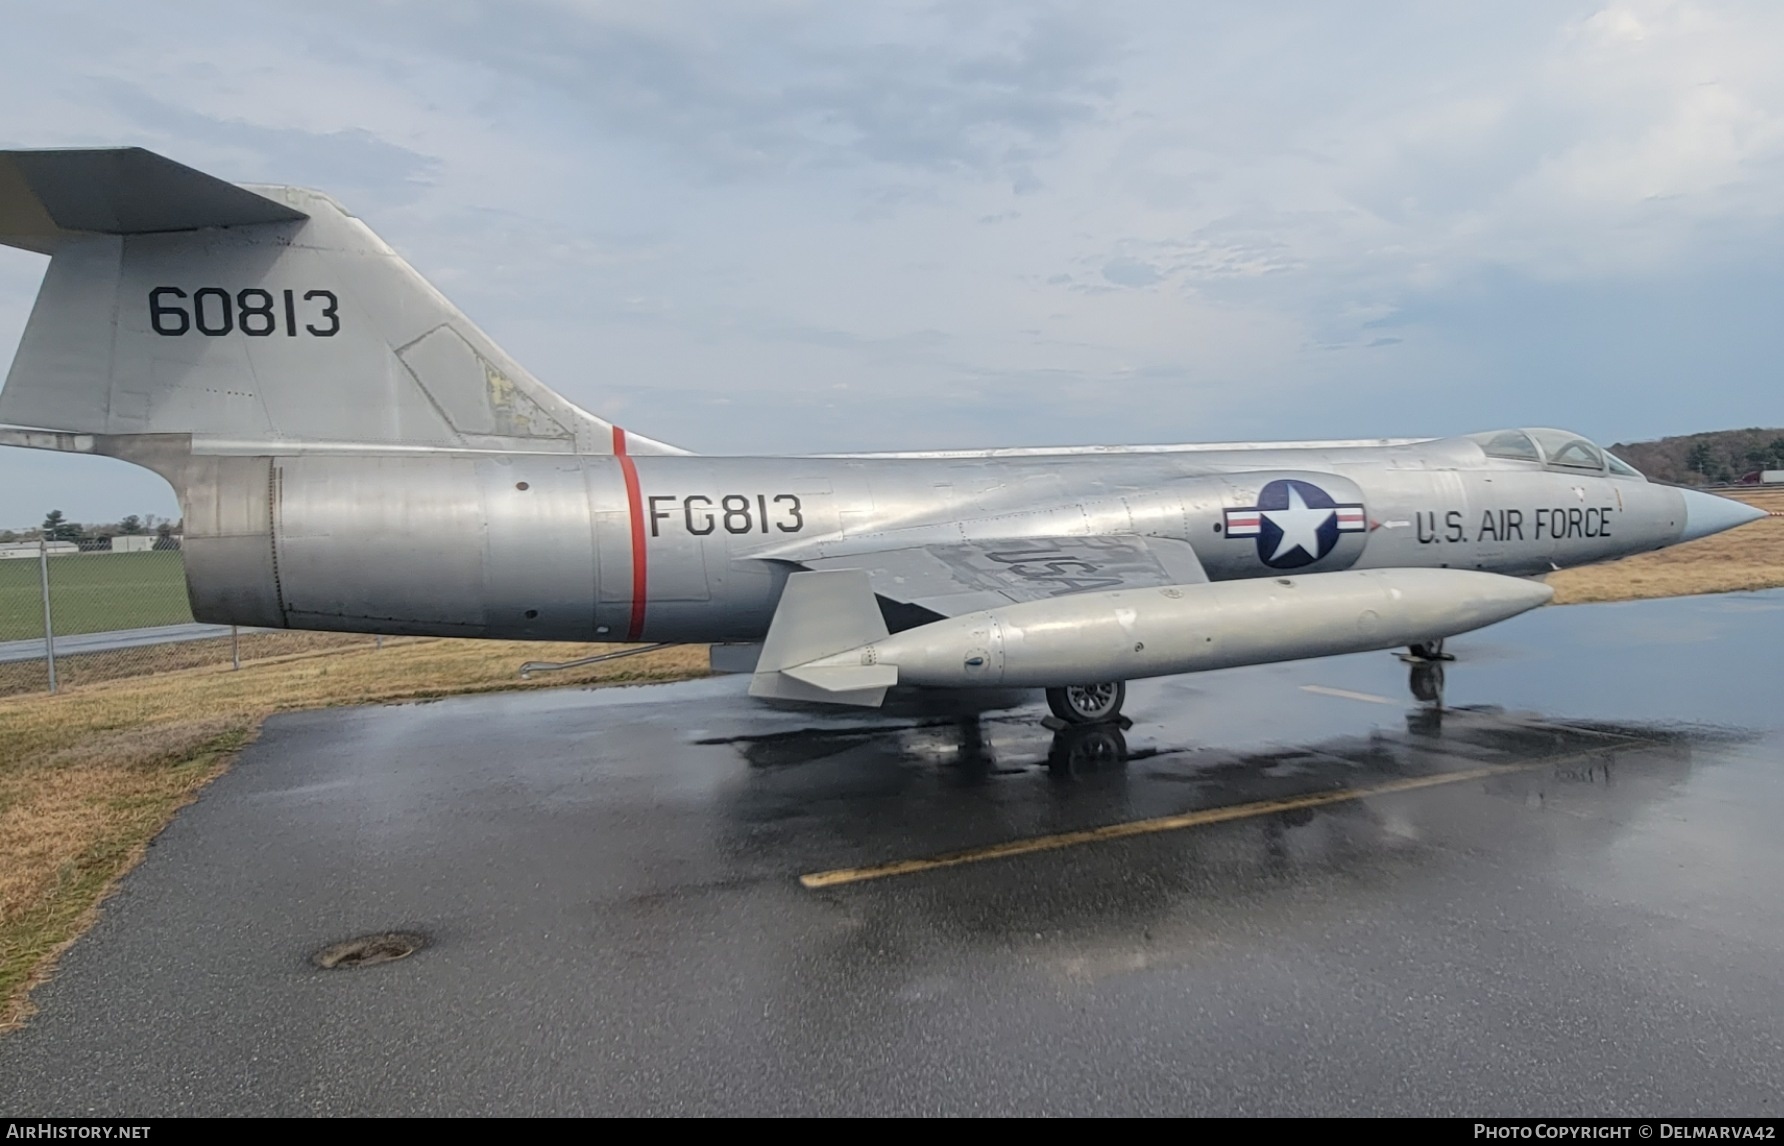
[1563, 897]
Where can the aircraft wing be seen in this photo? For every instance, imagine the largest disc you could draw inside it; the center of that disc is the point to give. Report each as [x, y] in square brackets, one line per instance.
[963, 577]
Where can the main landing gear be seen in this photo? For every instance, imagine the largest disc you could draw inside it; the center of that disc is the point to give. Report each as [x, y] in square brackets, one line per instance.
[1087, 703]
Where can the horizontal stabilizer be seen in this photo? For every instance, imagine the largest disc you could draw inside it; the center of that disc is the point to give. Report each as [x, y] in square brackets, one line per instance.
[46, 196]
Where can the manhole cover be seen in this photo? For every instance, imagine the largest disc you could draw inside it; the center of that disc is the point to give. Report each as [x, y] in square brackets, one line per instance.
[369, 949]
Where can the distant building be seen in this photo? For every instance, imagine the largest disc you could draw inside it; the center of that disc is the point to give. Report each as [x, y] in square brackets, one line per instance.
[133, 543]
[23, 549]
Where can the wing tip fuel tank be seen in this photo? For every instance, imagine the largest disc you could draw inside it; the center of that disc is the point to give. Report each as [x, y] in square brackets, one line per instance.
[1134, 633]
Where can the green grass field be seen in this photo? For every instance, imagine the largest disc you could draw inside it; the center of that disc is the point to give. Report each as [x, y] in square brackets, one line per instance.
[94, 593]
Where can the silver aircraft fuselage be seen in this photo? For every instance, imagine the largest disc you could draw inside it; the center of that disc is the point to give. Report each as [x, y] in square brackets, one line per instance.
[697, 549]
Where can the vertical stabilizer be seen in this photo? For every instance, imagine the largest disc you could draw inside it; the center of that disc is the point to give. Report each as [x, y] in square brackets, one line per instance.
[259, 319]
[820, 614]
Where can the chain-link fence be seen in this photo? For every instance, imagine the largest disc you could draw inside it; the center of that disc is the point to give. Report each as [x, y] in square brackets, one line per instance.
[74, 613]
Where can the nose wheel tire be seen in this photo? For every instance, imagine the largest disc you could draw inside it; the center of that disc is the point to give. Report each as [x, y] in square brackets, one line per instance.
[1427, 682]
[1087, 703]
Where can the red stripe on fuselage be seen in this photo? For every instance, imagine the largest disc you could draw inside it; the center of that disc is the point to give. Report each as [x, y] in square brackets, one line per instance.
[635, 507]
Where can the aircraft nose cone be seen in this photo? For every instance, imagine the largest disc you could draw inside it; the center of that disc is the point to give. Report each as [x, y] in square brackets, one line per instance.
[1705, 513]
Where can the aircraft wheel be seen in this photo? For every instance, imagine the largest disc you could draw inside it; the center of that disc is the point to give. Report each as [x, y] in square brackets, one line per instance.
[1428, 651]
[1087, 703]
[1427, 683]
[1087, 748]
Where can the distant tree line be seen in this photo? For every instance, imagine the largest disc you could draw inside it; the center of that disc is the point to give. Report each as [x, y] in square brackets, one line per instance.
[57, 527]
[1702, 459]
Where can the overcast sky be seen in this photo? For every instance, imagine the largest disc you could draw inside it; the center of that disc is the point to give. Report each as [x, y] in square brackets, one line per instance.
[802, 227]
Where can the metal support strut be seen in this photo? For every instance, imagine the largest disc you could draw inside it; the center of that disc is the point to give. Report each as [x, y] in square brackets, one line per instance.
[49, 629]
[528, 669]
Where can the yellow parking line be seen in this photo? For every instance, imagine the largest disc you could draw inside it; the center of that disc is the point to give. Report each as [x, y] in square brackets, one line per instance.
[1346, 694]
[1121, 831]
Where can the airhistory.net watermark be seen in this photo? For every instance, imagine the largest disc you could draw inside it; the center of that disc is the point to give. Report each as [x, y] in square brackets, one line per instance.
[49, 1131]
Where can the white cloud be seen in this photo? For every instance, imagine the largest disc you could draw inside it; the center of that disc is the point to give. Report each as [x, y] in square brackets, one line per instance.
[1003, 223]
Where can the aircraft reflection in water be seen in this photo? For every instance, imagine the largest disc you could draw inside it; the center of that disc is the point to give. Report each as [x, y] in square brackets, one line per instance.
[352, 454]
[966, 739]
[958, 741]
[1227, 818]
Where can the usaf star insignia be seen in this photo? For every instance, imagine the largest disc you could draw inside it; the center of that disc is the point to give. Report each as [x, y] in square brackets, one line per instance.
[1295, 523]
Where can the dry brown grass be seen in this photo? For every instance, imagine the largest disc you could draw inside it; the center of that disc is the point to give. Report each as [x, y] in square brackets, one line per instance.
[1751, 557]
[89, 776]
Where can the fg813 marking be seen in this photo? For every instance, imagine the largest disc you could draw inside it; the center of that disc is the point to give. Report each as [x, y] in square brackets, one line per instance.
[257, 313]
[737, 513]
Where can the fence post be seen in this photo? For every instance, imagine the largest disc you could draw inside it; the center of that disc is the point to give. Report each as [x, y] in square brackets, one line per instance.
[235, 647]
[49, 632]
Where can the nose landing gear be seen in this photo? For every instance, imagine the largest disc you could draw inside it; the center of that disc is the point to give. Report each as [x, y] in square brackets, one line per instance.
[1429, 651]
[1426, 659]
[1427, 682]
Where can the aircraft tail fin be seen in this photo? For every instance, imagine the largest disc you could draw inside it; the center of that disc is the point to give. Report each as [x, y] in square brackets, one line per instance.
[821, 614]
[256, 317]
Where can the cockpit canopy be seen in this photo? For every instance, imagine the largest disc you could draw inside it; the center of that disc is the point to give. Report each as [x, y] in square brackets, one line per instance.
[1555, 449]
